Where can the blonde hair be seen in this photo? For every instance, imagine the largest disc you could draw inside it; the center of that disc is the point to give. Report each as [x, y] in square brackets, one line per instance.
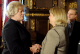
[13, 8]
[60, 15]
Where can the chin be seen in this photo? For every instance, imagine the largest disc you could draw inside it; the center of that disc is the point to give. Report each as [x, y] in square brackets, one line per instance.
[49, 23]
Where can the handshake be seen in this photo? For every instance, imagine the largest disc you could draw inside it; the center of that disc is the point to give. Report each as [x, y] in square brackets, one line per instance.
[35, 48]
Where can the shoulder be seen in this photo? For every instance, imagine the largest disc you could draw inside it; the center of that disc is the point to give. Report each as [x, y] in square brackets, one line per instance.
[60, 28]
[77, 22]
[52, 33]
[10, 24]
[57, 28]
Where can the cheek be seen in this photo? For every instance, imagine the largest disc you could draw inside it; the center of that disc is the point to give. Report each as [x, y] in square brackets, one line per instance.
[49, 17]
[67, 15]
[72, 16]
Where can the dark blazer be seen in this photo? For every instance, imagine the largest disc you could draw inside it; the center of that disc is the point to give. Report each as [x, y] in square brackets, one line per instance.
[16, 38]
[74, 38]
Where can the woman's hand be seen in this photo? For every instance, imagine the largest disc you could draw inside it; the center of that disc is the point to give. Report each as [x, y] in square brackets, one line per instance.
[35, 48]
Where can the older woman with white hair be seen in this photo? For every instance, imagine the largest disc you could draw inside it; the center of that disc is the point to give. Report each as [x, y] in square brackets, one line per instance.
[16, 37]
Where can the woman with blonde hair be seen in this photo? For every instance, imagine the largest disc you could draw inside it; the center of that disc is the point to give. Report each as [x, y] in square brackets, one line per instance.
[55, 41]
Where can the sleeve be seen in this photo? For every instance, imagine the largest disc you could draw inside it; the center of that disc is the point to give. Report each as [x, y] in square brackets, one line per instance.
[13, 41]
[52, 41]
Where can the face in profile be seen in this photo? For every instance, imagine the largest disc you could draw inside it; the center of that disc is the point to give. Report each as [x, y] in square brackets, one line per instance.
[52, 19]
[20, 15]
[72, 14]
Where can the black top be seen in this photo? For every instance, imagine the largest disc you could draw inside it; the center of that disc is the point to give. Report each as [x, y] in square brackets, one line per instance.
[74, 38]
[16, 38]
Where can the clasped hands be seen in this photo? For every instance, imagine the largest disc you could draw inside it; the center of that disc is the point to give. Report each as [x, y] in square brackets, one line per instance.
[35, 48]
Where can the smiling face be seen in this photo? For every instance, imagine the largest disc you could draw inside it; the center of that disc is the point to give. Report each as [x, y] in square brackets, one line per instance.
[52, 19]
[15, 11]
[20, 15]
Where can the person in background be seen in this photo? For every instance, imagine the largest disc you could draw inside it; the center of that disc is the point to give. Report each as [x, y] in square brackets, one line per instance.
[16, 37]
[73, 30]
[55, 41]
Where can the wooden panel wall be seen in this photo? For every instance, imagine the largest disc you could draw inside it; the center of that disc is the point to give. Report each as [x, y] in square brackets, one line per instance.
[37, 25]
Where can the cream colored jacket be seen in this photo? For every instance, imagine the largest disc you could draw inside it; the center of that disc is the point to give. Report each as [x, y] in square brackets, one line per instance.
[55, 41]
